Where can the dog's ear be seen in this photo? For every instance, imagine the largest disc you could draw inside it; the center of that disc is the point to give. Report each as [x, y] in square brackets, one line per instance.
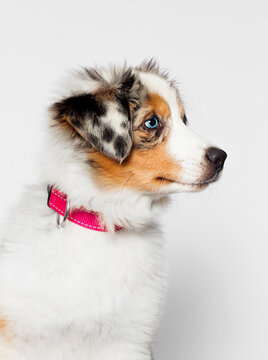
[103, 117]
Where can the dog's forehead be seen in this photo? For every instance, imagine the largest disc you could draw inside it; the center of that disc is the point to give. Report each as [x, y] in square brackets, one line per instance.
[158, 85]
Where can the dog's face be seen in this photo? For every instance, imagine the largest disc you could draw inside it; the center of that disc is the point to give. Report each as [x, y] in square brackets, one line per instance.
[132, 126]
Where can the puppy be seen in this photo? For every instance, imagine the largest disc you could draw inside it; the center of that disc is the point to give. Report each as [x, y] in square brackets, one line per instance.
[81, 259]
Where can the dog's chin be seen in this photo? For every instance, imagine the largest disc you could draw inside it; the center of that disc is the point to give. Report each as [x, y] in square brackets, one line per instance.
[175, 186]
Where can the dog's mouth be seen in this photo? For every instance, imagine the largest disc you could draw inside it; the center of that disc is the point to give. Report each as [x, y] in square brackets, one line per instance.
[201, 183]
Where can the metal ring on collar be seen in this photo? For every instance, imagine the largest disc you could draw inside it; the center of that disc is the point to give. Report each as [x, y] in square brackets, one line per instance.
[62, 223]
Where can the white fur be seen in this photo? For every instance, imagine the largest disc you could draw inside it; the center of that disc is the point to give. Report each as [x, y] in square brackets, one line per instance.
[186, 147]
[77, 294]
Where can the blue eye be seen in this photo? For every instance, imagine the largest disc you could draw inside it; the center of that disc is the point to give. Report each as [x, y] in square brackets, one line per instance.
[151, 123]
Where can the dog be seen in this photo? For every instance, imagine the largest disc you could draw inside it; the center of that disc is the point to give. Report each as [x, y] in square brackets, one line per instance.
[82, 275]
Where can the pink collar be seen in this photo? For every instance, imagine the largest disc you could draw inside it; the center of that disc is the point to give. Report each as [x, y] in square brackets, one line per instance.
[59, 202]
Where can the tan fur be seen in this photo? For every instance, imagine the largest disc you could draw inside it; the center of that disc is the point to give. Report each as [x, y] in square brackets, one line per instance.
[5, 334]
[105, 94]
[155, 163]
[3, 325]
[158, 105]
[7, 341]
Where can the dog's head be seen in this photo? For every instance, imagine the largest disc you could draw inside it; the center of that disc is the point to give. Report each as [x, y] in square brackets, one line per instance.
[131, 124]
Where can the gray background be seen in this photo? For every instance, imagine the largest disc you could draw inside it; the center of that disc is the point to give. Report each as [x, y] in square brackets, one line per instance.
[217, 240]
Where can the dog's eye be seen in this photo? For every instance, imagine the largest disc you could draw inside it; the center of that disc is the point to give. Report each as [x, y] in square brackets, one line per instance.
[152, 123]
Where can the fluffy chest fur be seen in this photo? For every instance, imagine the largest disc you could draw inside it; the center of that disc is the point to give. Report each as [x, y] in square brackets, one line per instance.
[72, 271]
[76, 282]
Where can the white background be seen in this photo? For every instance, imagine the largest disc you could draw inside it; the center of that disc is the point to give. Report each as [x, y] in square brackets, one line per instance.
[217, 248]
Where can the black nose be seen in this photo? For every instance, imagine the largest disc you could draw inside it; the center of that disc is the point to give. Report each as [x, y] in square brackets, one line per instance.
[216, 157]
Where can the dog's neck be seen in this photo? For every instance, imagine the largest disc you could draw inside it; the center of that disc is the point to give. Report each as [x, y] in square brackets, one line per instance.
[68, 170]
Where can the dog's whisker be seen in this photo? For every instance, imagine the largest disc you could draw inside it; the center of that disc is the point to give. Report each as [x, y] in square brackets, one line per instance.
[124, 186]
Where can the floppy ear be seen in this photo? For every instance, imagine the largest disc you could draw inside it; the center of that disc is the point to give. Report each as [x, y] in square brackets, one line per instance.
[102, 118]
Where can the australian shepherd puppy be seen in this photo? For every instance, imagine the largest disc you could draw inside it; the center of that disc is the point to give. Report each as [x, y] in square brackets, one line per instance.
[81, 259]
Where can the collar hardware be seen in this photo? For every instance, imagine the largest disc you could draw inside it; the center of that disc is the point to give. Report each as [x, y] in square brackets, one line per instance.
[60, 203]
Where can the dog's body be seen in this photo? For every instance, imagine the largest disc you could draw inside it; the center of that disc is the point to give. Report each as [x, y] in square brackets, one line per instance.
[79, 294]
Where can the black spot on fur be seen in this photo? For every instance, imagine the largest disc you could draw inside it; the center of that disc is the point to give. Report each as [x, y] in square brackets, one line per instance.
[127, 81]
[94, 74]
[184, 119]
[78, 108]
[158, 132]
[94, 164]
[77, 121]
[120, 146]
[148, 140]
[124, 124]
[95, 120]
[129, 92]
[123, 105]
[108, 134]
[93, 140]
